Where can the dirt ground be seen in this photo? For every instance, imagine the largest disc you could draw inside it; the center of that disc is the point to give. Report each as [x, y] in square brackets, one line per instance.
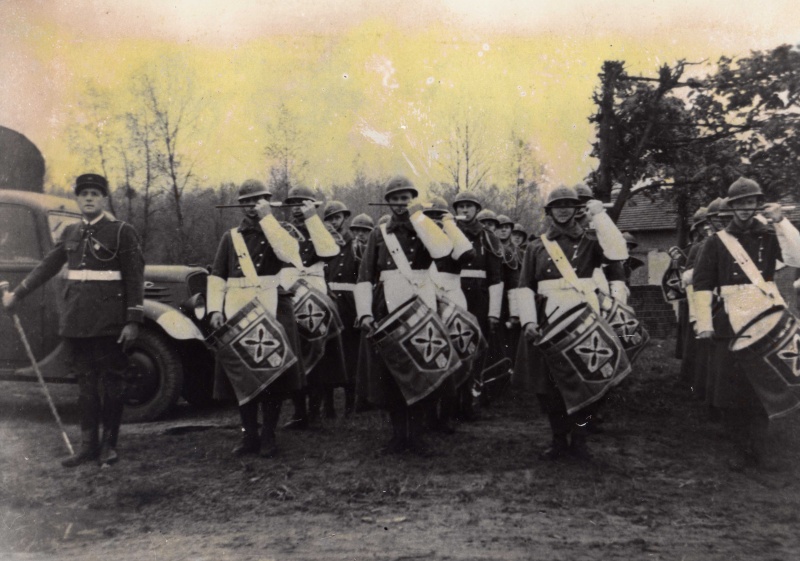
[658, 487]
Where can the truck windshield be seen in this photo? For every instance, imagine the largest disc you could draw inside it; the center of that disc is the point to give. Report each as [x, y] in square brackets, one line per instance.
[57, 221]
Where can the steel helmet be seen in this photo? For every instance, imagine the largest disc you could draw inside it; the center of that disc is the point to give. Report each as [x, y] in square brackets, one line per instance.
[467, 197]
[487, 214]
[253, 188]
[742, 188]
[363, 221]
[299, 194]
[714, 207]
[502, 220]
[437, 206]
[584, 192]
[334, 207]
[725, 209]
[397, 184]
[630, 240]
[561, 193]
[519, 229]
[699, 217]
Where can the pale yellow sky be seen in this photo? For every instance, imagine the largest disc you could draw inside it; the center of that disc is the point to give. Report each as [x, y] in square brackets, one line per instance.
[380, 81]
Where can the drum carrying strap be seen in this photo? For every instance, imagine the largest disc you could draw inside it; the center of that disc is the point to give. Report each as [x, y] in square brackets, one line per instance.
[245, 261]
[400, 259]
[742, 259]
[562, 264]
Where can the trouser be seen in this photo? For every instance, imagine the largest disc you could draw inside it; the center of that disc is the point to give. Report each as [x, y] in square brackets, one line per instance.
[100, 366]
[271, 407]
[561, 423]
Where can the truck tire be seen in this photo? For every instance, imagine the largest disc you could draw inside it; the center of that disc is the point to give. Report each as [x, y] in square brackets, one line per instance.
[198, 378]
[157, 377]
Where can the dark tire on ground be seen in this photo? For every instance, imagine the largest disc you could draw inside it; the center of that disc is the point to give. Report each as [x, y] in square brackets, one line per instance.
[157, 377]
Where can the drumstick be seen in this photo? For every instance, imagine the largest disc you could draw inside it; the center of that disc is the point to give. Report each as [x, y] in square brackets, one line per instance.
[273, 205]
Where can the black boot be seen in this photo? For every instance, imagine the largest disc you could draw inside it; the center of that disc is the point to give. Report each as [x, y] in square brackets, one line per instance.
[349, 400]
[88, 451]
[558, 448]
[108, 451]
[272, 410]
[398, 444]
[300, 419]
[249, 443]
[328, 408]
[112, 419]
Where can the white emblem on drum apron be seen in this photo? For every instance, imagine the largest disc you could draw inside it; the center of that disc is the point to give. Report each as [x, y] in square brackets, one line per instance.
[626, 326]
[261, 345]
[462, 336]
[596, 355]
[312, 316]
[432, 347]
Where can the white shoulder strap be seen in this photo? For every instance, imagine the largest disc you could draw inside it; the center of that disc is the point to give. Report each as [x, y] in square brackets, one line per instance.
[400, 259]
[245, 261]
[742, 259]
[562, 264]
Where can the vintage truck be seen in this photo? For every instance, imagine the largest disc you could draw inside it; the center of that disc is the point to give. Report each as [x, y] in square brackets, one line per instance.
[169, 358]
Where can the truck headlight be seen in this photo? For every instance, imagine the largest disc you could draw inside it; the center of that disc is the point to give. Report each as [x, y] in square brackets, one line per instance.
[195, 306]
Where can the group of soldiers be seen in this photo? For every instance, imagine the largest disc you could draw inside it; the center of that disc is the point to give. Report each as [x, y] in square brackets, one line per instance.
[430, 311]
[737, 338]
[423, 315]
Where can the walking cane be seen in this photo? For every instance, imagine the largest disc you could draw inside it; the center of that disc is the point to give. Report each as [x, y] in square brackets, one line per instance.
[3, 289]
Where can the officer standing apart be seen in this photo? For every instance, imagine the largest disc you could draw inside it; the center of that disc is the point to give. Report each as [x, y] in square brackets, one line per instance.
[102, 312]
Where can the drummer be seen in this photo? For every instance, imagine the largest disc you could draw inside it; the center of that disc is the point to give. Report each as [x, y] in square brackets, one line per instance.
[540, 275]
[382, 288]
[269, 249]
[482, 283]
[325, 367]
[745, 296]
[512, 263]
[446, 275]
[489, 219]
[341, 274]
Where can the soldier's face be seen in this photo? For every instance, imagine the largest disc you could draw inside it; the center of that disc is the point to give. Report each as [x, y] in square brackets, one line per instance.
[743, 209]
[336, 220]
[400, 201]
[517, 239]
[467, 210]
[503, 231]
[91, 201]
[490, 225]
[360, 234]
[563, 211]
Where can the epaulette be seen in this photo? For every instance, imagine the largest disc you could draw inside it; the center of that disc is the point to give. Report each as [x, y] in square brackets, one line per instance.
[494, 244]
[293, 231]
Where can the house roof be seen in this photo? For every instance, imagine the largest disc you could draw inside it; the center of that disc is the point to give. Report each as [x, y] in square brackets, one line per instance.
[647, 212]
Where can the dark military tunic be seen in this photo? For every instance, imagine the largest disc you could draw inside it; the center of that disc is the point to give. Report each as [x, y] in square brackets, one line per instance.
[487, 257]
[729, 387]
[341, 274]
[226, 266]
[95, 308]
[375, 382]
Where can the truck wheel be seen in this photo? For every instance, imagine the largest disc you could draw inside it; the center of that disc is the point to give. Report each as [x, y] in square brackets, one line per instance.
[156, 380]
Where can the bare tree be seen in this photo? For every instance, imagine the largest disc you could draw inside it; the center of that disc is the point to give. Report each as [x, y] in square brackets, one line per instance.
[466, 162]
[284, 149]
[96, 132]
[173, 107]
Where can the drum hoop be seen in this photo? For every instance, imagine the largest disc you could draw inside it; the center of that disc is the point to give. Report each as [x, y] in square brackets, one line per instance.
[560, 319]
[754, 321]
[388, 320]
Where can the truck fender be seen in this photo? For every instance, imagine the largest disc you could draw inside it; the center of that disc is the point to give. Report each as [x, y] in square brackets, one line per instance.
[174, 323]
